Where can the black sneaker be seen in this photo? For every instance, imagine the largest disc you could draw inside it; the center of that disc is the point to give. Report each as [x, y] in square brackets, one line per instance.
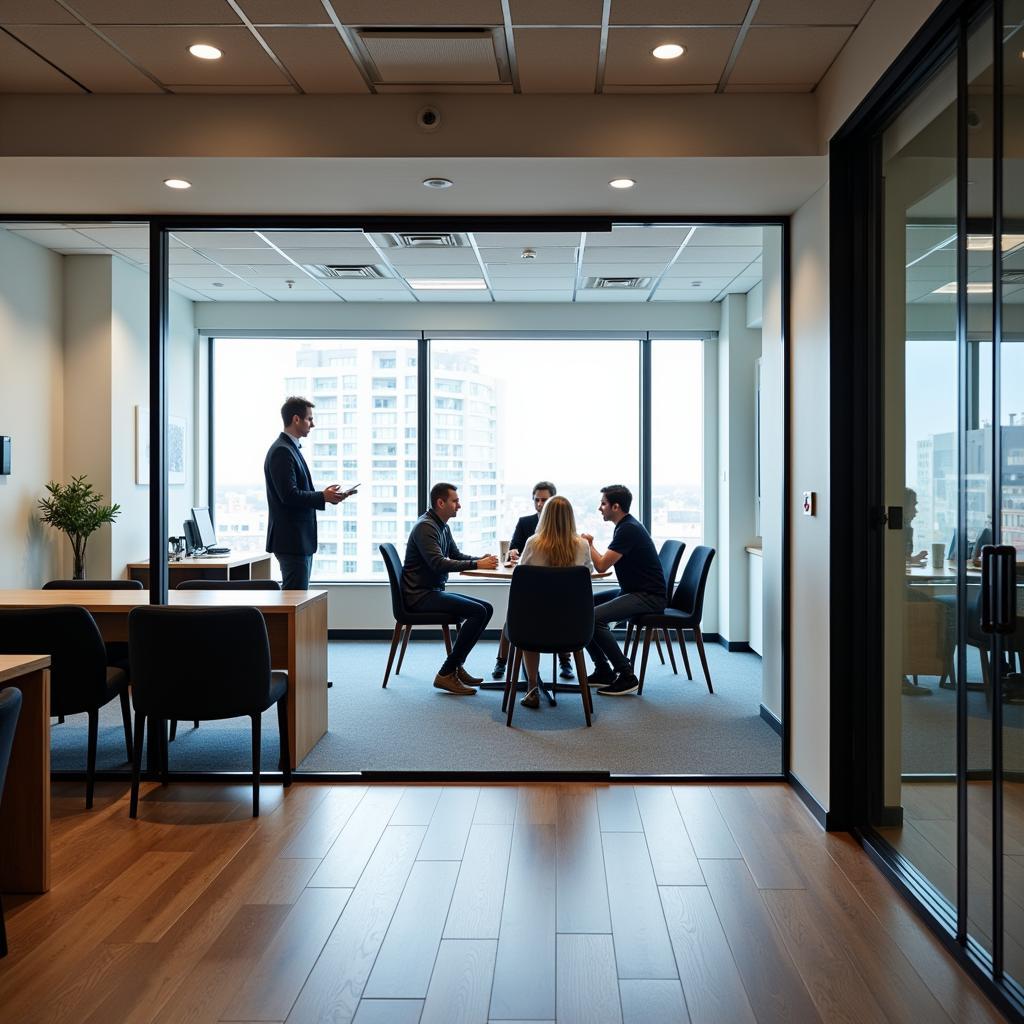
[603, 676]
[498, 672]
[624, 684]
[565, 669]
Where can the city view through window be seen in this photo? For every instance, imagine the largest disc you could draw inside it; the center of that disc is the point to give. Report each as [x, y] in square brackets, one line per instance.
[503, 415]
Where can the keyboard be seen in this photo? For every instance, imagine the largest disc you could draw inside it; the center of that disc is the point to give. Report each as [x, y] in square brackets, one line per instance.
[218, 551]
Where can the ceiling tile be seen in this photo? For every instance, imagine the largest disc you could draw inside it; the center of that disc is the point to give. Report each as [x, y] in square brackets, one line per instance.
[232, 90]
[771, 56]
[690, 295]
[156, 12]
[669, 236]
[299, 283]
[612, 295]
[499, 271]
[285, 12]
[554, 60]
[556, 12]
[690, 271]
[527, 239]
[788, 87]
[543, 261]
[657, 90]
[22, 71]
[728, 235]
[316, 58]
[629, 254]
[811, 12]
[350, 256]
[476, 89]
[630, 61]
[378, 285]
[163, 51]
[503, 296]
[123, 237]
[224, 295]
[221, 239]
[316, 239]
[416, 259]
[401, 296]
[323, 296]
[719, 254]
[419, 12]
[674, 12]
[83, 55]
[53, 238]
[34, 12]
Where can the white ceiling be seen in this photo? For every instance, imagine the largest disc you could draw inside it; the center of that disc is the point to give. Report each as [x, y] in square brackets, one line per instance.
[678, 263]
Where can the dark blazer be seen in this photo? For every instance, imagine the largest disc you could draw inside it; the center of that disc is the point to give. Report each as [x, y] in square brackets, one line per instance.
[525, 529]
[291, 500]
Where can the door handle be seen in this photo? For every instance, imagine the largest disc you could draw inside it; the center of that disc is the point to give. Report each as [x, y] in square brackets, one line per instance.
[998, 588]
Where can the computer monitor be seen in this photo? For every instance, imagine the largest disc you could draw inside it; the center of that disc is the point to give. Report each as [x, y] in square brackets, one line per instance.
[204, 524]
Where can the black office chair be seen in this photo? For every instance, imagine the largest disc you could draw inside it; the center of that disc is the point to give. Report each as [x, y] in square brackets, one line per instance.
[80, 678]
[10, 706]
[685, 612]
[203, 663]
[550, 611]
[406, 618]
[670, 555]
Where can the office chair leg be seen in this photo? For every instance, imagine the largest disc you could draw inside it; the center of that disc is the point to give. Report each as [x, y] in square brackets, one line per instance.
[703, 660]
[405, 644]
[165, 770]
[629, 636]
[60, 719]
[140, 739]
[686, 657]
[671, 653]
[126, 719]
[657, 644]
[447, 639]
[391, 654]
[636, 645]
[509, 661]
[510, 688]
[174, 728]
[643, 662]
[3, 932]
[90, 757]
[257, 721]
[282, 728]
[581, 675]
[195, 723]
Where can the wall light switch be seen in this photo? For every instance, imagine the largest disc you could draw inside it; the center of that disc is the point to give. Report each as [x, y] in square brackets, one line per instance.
[810, 503]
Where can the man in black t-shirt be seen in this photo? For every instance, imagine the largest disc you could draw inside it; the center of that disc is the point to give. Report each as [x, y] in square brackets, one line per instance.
[641, 590]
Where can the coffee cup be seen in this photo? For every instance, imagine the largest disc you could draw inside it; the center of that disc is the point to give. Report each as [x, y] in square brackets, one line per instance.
[503, 551]
[938, 555]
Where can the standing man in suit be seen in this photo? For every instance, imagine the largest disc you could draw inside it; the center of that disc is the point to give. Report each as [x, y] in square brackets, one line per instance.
[291, 499]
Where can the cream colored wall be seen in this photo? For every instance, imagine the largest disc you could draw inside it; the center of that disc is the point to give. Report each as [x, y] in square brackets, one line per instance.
[31, 407]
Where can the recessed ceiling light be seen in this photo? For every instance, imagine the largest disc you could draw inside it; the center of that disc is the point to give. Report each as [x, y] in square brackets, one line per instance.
[205, 52]
[622, 182]
[448, 284]
[177, 183]
[668, 51]
[437, 183]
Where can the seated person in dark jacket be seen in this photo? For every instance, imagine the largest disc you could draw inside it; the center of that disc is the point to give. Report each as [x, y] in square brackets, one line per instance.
[641, 589]
[429, 556]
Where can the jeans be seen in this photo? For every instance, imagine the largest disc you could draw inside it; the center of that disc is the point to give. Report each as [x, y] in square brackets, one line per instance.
[473, 617]
[609, 608]
[295, 571]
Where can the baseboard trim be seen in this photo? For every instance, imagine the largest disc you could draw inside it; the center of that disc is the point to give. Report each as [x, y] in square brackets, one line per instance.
[771, 719]
[824, 818]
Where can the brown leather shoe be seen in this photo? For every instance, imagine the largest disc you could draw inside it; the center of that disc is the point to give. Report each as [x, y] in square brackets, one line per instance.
[465, 677]
[532, 699]
[452, 685]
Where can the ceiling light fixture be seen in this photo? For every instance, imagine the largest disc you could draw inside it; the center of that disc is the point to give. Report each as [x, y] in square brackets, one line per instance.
[177, 183]
[528, 254]
[204, 51]
[622, 182]
[973, 288]
[476, 284]
[668, 51]
[437, 183]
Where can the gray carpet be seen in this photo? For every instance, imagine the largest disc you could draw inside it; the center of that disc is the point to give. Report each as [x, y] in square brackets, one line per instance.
[676, 727]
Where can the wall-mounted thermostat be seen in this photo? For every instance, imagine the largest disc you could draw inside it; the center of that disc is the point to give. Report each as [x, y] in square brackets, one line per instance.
[810, 503]
[5, 456]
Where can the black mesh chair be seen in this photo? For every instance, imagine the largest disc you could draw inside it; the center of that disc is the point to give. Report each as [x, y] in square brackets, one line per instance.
[670, 555]
[406, 618]
[685, 612]
[203, 663]
[550, 611]
[10, 706]
[80, 678]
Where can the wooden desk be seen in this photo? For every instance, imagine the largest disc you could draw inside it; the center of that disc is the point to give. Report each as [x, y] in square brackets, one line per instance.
[219, 567]
[25, 810]
[504, 572]
[296, 623]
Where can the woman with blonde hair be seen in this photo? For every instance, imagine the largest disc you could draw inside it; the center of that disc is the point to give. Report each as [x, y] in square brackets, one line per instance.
[557, 544]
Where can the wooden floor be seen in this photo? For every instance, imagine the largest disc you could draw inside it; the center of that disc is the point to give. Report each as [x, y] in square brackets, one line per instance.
[448, 904]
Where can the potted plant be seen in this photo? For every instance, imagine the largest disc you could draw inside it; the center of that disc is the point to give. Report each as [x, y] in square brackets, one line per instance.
[77, 510]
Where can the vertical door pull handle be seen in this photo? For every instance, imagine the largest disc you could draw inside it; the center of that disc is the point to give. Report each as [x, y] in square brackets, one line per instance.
[998, 588]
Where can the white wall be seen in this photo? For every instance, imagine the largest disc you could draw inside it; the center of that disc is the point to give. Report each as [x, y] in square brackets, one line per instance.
[31, 407]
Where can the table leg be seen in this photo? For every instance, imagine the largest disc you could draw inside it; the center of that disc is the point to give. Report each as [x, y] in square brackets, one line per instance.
[307, 678]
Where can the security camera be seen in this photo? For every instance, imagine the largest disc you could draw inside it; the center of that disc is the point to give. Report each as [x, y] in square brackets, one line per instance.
[429, 119]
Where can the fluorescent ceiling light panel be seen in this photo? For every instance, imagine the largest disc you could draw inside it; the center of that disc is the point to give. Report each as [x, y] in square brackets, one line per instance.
[983, 243]
[973, 288]
[447, 284]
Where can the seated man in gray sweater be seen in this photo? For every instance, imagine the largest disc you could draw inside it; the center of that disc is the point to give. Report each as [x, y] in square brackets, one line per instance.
[429, 556]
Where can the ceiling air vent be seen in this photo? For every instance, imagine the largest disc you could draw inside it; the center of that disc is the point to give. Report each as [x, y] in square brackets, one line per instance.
[617, 283]
[347, 271]
[432, 56]
[424, 240]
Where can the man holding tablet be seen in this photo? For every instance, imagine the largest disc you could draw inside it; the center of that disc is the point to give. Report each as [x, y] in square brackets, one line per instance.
[292, 501]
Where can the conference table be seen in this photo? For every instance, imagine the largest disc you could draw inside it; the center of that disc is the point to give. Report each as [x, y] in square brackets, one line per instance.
[208, 567]
[296, 625]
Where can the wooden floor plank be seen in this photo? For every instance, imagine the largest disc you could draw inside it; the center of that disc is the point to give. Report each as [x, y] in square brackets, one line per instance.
[642, 945]
[284, 880]
[416, 806]
[460, 987]
[389, 1011]
[336, 983]
[617, 809]
[321, 829]
[407, 955]
[710, 978]
[773, 983]
[526, 942]
[475, 911]
[672, 855]
[497, 805]
[449, 826]
[271, 987]
[587, 989]
[537, 805]
[653, 1002]
[704, 823]
[579, 862]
